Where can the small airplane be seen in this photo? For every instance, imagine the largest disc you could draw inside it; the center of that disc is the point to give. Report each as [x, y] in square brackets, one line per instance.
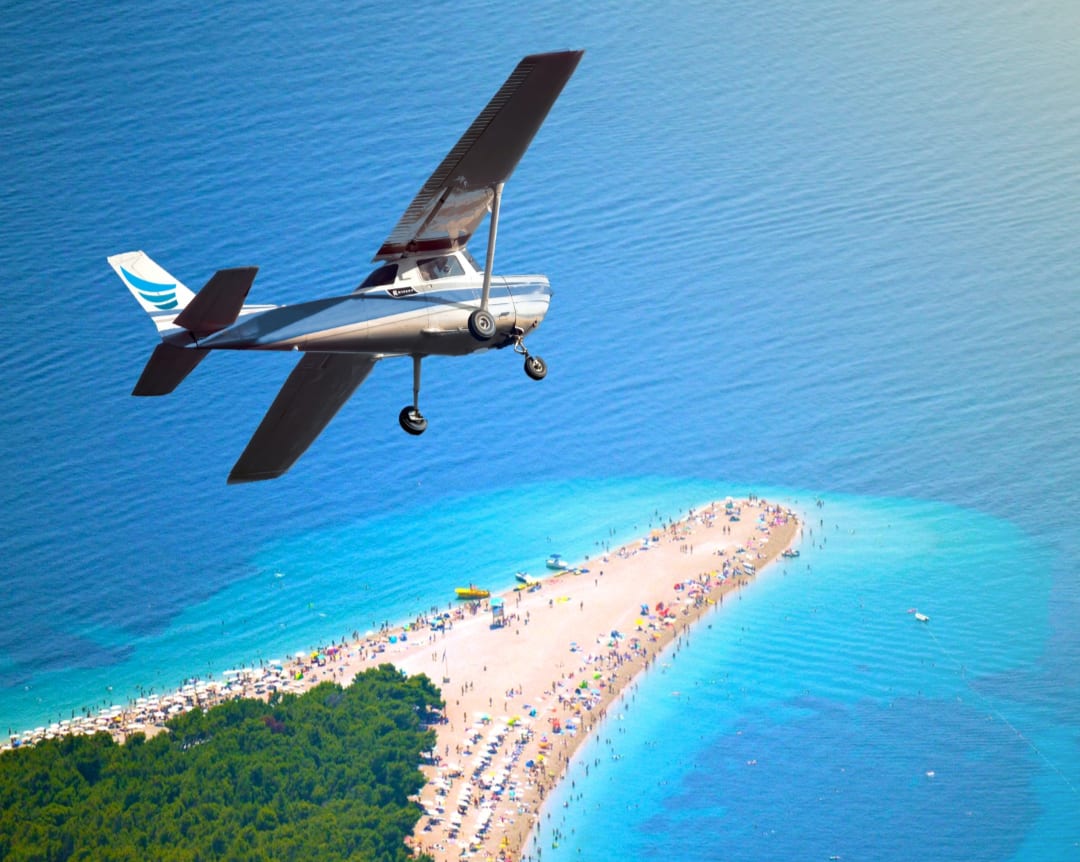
[428, 296]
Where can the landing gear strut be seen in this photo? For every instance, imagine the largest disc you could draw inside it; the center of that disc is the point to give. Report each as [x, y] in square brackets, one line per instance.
[410, 417]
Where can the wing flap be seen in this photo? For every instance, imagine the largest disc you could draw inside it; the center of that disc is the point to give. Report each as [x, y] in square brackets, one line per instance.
[455, 199]
[311, 396]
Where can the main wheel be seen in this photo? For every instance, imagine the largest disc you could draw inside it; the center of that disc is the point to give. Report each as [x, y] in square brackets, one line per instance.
[412, 420]
[535, 367]
[482, 325]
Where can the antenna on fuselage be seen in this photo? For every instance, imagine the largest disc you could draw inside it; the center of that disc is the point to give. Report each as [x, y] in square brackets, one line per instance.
[481, 323]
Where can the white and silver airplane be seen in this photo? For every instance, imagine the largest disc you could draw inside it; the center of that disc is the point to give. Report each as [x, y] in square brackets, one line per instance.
[428, 296]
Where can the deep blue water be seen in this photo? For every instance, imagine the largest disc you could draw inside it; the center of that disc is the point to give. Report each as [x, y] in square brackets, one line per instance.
[827, 252]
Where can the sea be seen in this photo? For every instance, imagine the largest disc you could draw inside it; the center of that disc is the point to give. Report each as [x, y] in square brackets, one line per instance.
[825, 253]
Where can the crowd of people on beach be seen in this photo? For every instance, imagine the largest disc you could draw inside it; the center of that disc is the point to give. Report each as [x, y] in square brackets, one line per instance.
[503, 790]
[148, 714]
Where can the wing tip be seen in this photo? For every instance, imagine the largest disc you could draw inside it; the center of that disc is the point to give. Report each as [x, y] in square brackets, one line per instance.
[239, 476]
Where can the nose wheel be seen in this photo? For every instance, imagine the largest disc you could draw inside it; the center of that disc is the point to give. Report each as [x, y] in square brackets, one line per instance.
[535, 367]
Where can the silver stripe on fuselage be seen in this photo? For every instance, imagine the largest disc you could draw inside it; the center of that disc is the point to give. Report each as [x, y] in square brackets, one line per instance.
[375, 321]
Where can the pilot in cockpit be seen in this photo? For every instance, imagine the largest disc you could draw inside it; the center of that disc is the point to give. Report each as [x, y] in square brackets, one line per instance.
[436, 267]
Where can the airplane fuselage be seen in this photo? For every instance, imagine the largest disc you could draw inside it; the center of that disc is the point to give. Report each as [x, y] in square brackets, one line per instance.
[420, 312]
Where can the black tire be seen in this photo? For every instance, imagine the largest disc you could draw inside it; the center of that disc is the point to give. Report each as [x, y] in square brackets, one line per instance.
[535, 367]
[482, 325]
[412, 420]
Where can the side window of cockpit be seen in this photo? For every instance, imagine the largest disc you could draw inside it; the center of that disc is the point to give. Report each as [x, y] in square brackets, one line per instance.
[382, 275]
[444, 266]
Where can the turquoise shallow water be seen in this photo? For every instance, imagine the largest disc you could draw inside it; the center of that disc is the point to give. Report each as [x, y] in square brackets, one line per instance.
[813, 716]
[825, 251]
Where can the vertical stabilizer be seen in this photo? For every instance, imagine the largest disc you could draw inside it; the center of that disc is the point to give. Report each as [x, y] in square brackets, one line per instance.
[160, 295]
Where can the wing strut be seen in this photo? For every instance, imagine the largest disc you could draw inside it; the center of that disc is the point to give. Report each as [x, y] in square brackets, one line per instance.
[481, 321]
[493, 229]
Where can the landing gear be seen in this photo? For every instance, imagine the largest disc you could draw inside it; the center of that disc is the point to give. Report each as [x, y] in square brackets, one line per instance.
[481, 321]
[412, 420]
[482, 325]
[535, 367]
[410, 417]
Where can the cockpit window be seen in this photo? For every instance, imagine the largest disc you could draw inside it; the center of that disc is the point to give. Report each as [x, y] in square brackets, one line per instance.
[443, 266]
[382, 275]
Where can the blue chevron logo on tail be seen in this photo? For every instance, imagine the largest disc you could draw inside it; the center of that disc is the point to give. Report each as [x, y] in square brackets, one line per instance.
[161, 296]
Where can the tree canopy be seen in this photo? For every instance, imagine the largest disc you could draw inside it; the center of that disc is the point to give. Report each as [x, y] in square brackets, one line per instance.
[323, 775]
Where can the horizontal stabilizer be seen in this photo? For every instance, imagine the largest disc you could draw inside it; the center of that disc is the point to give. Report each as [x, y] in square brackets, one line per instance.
[316, 389]
[218, 304]
[167, 368]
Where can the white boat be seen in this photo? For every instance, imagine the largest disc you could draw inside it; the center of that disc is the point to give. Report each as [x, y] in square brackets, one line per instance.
[525, 578]
[555, 561]
[922, 618]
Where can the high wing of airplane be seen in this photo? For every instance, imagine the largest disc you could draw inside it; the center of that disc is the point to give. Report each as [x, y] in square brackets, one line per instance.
[428, 296]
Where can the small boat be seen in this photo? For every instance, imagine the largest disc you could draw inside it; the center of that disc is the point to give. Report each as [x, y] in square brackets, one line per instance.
[922, 618]
[471, 592]
[555, 561]
[525, 578]
[789, 553]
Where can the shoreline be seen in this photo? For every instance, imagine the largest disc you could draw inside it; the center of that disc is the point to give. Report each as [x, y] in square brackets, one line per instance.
[523, 696]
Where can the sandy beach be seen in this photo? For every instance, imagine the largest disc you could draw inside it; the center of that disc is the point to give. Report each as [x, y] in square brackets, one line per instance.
[523, 696]
[524, 683]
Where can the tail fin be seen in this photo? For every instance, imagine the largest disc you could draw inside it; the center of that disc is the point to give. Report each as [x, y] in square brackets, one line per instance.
[182, 317]
[160, 295]
[163, 298]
